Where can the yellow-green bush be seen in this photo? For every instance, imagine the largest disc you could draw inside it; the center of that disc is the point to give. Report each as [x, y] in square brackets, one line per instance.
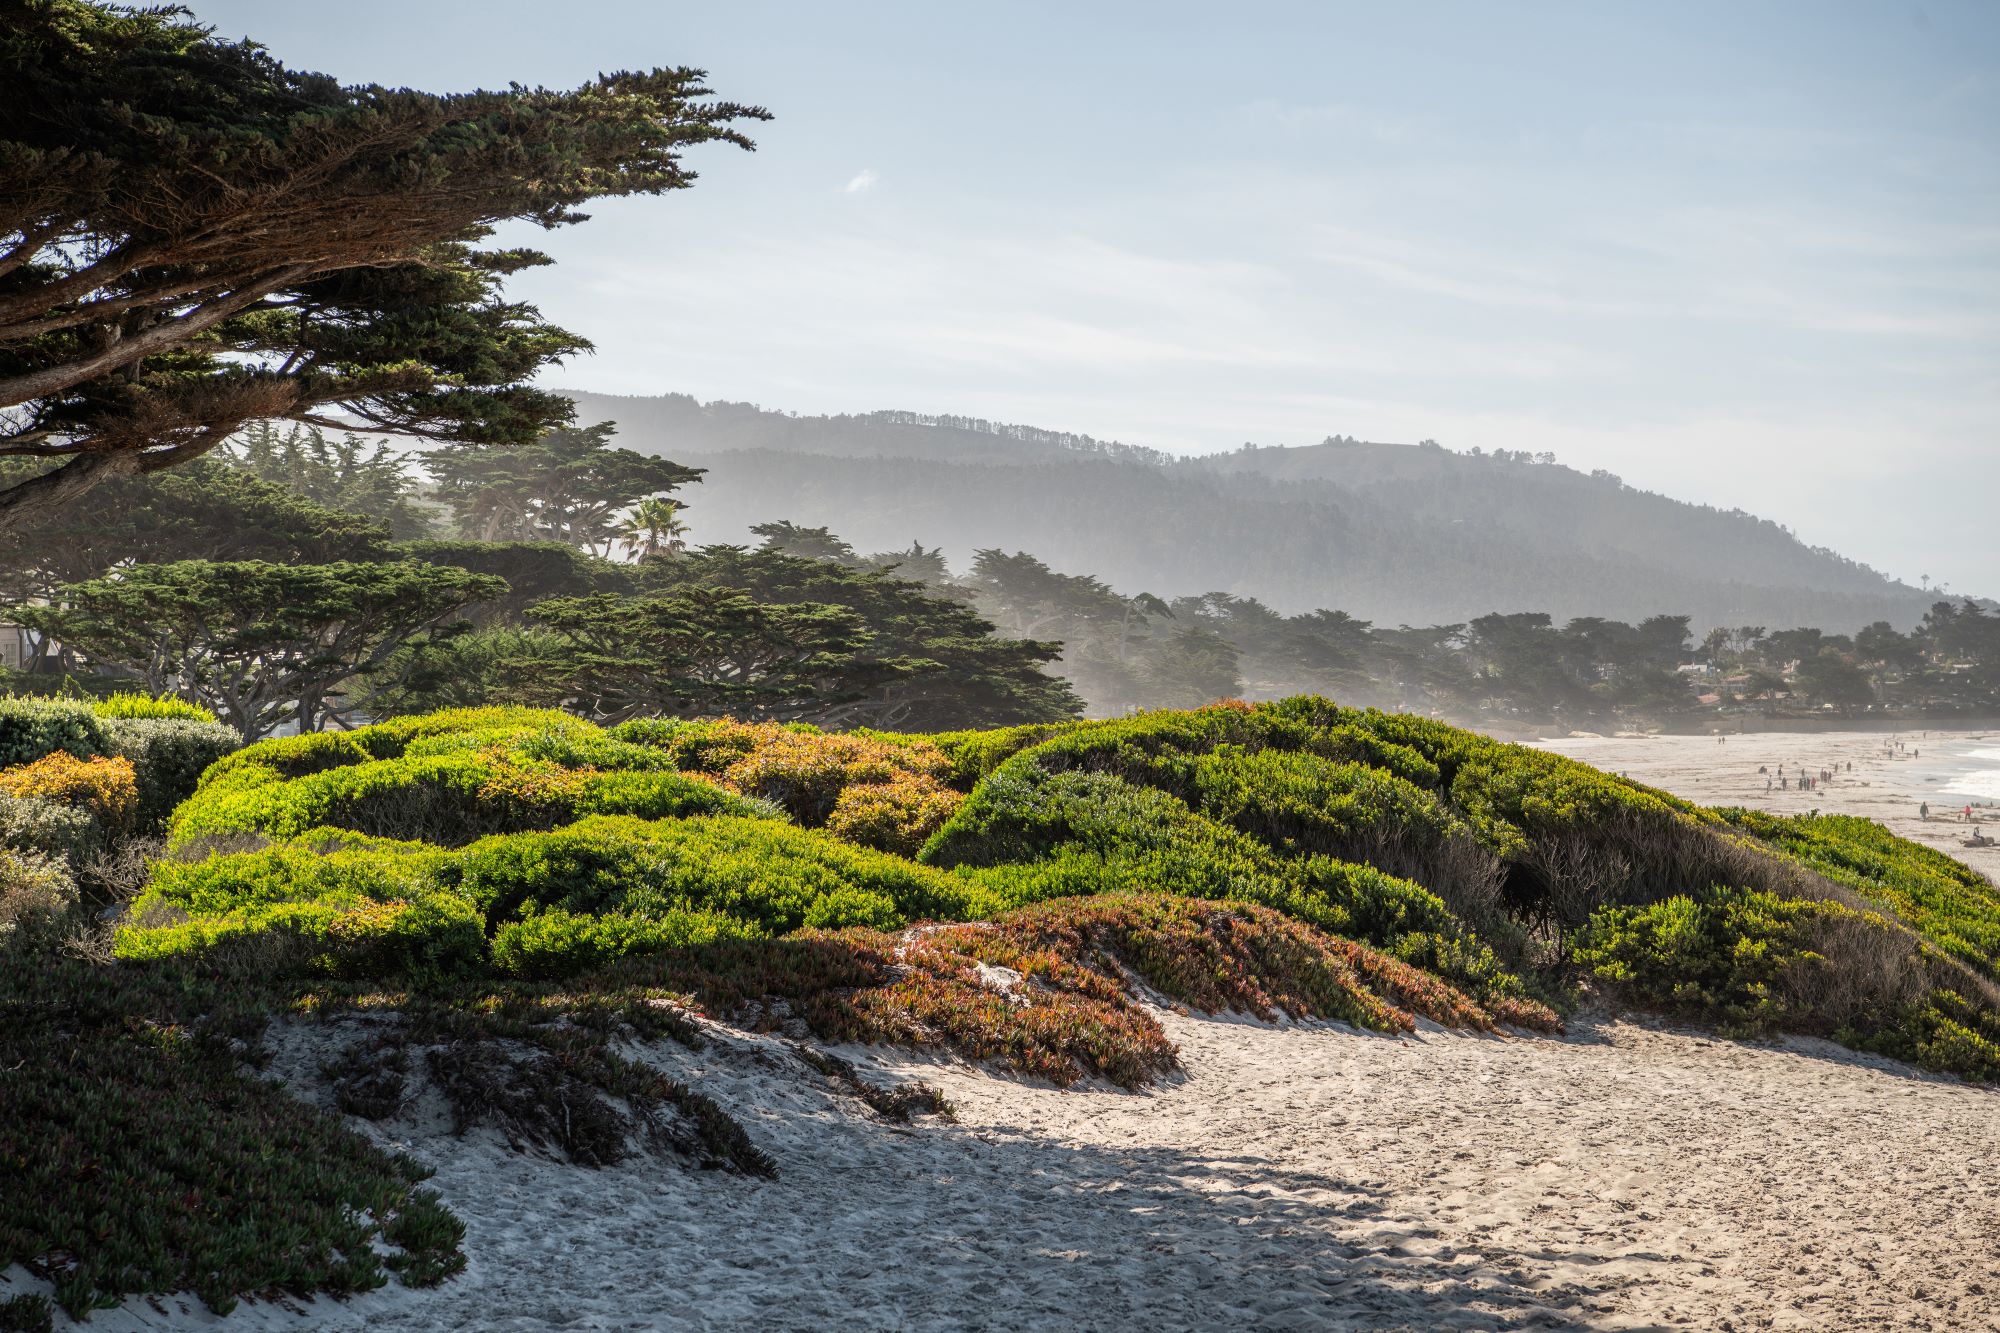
[450, 797]
[1956, 907]
[766, 876]
[145, 706]
[1753, 961]
[552, 903]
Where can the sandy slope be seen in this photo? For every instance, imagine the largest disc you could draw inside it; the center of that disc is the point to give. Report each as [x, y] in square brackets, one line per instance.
[1305, 1177]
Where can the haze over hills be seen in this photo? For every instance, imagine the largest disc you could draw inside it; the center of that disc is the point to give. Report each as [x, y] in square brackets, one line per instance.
[1393, 533]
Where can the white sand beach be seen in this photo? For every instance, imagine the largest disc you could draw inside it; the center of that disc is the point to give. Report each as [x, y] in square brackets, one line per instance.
[1303, 1177]
[1947, 769]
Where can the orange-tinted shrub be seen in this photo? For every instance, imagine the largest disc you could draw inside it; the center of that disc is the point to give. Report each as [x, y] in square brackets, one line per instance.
[107, 788]
[1045, 990]
[889, 796]
[892, 816]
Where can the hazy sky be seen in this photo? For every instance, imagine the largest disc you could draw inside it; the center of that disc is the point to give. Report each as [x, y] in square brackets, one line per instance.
[1743, 253]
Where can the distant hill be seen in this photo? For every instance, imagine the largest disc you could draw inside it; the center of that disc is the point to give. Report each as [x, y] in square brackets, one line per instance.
[1394, 533]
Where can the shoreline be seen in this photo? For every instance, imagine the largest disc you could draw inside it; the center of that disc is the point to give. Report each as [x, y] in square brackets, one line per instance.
[1734, 724]
[1887, 789]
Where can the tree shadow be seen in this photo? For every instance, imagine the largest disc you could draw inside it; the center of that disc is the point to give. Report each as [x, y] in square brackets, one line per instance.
[1153, 1238]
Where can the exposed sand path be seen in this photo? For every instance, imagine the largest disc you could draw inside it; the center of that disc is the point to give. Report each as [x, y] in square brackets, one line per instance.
[1307, 1177]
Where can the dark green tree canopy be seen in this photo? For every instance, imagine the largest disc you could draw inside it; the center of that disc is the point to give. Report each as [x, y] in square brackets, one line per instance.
[203, 511]
[533, 572]
[193, 236]
[568, 487]
[788, 538]
[260, 644]
[705, 651]
[341, 472]
[954, 671]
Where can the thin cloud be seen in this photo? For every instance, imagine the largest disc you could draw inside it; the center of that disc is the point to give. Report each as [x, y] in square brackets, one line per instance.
[862, 182]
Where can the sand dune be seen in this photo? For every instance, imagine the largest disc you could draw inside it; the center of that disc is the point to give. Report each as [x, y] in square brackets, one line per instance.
[1626, 1176]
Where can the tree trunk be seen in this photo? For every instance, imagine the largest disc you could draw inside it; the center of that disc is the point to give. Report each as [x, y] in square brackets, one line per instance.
[22, 503]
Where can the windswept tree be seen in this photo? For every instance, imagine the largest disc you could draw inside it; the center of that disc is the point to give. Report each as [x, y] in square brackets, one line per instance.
[260, 644]
[533, 571]
[955, 671]
[787, 538]
[341, 472]
[568, 487]
[193, 236]
[924, 564]
[706, 652]
[204, 511]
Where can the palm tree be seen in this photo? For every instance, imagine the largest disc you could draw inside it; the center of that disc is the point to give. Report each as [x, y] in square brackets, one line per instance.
[654, 528]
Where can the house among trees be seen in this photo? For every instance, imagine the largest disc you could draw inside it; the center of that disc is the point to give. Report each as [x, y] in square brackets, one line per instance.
[17, 647]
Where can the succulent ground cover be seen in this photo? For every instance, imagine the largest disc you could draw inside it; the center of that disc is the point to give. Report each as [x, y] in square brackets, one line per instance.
[512, 895]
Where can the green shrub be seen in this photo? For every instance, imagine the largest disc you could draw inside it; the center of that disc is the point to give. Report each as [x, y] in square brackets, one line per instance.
[337, 903]
[449, 798]
[36, 892]
[168, 756]
[1028, 835]
[1955, 906]
[1730, 956]
[136, 707]
[432, 939]
[1301, 803]
[330, 903]
[768, 876]
[31, 728]
[324, 863]
[449, 730]
[1022, 812]
[1949, 1032]
[33, 824]
[556, 943]
[1755, 962]
[974, 754]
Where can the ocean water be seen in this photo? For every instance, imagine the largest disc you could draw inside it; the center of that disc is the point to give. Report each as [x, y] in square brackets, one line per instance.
[1975, 773]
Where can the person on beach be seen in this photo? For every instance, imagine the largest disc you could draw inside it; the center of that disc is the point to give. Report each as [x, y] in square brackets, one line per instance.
[1924, 811]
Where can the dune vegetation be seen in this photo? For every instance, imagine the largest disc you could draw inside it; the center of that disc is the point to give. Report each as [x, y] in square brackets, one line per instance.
[510, 893]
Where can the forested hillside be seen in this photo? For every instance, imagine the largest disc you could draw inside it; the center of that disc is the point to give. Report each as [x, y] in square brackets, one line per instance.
[1391, 533]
